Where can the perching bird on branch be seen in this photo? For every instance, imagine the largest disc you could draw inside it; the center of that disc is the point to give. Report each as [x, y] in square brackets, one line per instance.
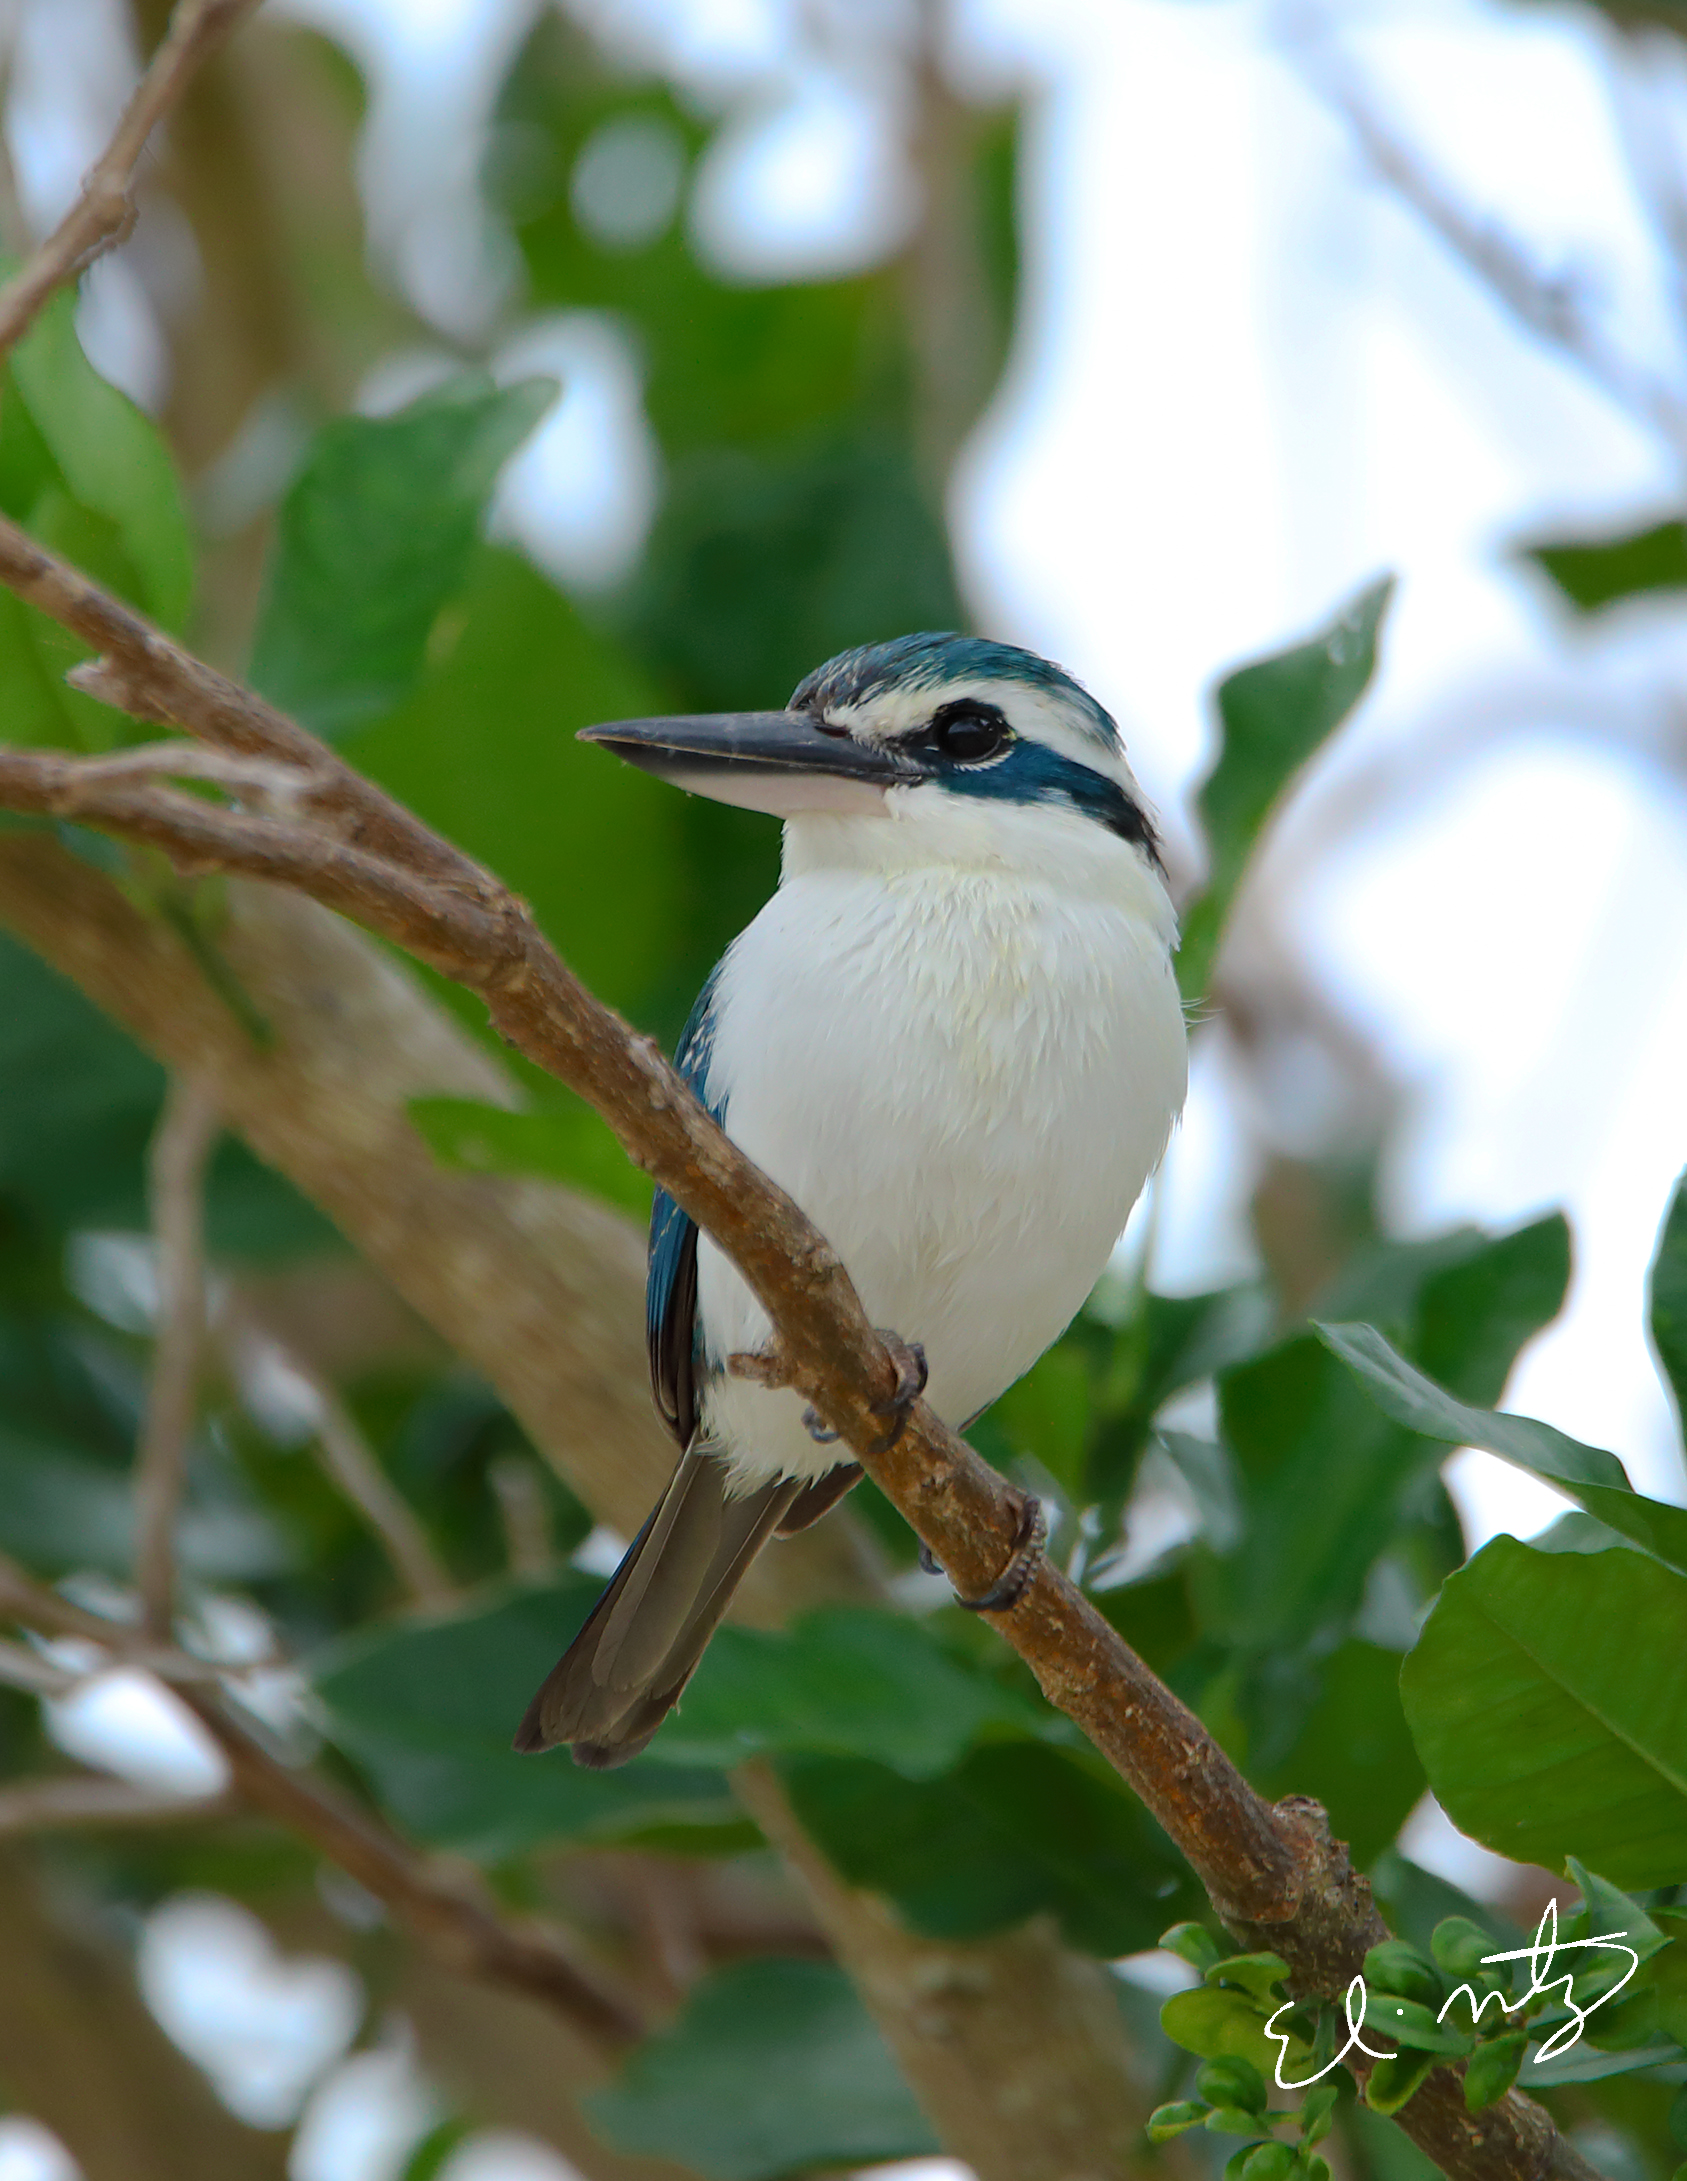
[953, 1036]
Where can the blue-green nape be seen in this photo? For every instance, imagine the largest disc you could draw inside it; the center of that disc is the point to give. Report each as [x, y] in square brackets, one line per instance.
[935, 658]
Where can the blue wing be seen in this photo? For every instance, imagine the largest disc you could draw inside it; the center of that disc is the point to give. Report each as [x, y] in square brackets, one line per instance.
[670, 1291]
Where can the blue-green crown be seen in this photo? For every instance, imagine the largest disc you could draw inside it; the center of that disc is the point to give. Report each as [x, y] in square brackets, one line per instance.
[936, 658]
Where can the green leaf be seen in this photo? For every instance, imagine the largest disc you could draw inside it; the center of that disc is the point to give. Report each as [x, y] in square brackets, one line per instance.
[569, 1143]
[773, 2067]
[484, 750]
[1268, 2162]
[1590, 1475]
[1258, 1974]
[1595, 573]
[1192, 1943]
[374, 539]
[847, 1681]
[1397, 1966]
[1354, 1753]
[1493, 2069]
[1229, 2024]
[111, 456]
[1408, 2022]
[1047, 1413]
[427, 1706]
[1016, 1829]
[1667, 1298]
[1395, 2082]
[1167, 2121]
[1232, 2081]
[1274, 715]
[1548, 1699]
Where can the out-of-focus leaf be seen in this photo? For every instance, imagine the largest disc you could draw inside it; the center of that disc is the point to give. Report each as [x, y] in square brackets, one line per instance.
[374, 538]
[61, 1510]
[485, 750]
[1355, 1751]
[1325, 1485]
[427, 1706]
[1274, 715]
[1047, 1414]
[846, 1681]
[78, 1101]
[1460, 1304]
[112, 458]
[773, 2067]
[1667, 1298]
[1595, 1478]
[1594, 573]
[773, 562]
[1017, 1828]
[1167, 1342]
[568, 1143]
[1547, 1696]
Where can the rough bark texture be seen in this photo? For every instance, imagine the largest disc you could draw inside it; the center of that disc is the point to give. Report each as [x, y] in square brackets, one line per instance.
[543, 1292]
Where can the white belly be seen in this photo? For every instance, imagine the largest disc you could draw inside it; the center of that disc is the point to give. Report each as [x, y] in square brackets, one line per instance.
[964, 1077]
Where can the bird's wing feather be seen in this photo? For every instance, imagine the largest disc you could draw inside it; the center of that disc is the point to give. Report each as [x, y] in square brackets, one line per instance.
[670, 1292]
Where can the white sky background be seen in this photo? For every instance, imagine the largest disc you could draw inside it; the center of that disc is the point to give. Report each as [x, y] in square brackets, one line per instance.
[1247, 382]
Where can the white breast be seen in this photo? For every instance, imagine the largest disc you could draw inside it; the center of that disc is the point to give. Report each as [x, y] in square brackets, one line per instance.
[955, 1038]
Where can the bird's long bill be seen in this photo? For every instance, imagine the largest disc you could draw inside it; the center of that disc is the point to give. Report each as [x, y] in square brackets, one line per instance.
[782, 762]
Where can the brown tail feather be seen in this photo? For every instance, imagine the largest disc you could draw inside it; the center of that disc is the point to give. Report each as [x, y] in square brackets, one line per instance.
[626, 1669]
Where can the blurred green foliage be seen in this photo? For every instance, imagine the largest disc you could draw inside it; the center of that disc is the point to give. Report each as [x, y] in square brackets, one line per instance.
[1311, 1603]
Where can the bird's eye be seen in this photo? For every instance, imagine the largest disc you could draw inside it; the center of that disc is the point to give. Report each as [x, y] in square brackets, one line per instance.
[968, 731]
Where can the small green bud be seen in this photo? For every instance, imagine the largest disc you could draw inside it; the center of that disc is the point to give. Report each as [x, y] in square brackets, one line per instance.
[1459, 1945]
[1492, 2070]
[1395, 1966]
[1230, 2120]
[1268, 2162]
[1167, 2121]
[1191, 1943]
[1317, 2169]
[1231, 2080]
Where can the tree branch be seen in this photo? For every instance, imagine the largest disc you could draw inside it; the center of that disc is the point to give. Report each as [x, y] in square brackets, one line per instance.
[182, 1143]
[104, 212]
[85, 1799]
[1548, 305]
[1273, 1874]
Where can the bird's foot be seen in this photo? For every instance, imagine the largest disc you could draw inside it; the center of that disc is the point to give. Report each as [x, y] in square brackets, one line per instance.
[1011, 1585]
[908, 1359]
[818, 1429]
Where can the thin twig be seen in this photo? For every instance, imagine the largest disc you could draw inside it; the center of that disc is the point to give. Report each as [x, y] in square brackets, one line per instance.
[22, 1668]
[182, 1143]
[1551, 306]
[452, 1917]
[520, 1492]
[104, 212]
[454, 1920]
[1274, 1874]
[57, 1805]
[350, 1460]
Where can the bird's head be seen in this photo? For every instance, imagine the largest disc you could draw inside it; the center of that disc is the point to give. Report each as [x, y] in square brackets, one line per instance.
[916, 725]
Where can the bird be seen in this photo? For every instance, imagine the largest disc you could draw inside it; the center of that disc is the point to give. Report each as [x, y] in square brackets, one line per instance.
[953, 1035]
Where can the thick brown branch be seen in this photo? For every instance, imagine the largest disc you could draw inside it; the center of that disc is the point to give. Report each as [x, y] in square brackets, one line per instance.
[1273, 1874]
[182, 1144]
[104, 211]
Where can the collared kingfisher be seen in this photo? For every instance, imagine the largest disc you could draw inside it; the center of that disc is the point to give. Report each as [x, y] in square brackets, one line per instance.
[953, 1035]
